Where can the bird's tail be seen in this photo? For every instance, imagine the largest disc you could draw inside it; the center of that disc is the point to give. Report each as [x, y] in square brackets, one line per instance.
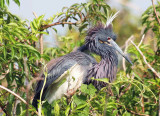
[35, 102]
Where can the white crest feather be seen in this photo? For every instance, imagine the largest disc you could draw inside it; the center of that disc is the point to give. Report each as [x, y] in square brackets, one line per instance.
[111, 18]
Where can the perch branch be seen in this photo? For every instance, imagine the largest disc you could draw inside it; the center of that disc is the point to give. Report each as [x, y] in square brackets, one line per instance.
[144, 58]
[13, 94]
[155, 12]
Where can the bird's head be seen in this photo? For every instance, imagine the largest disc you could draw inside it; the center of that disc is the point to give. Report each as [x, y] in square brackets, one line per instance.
[101, 39]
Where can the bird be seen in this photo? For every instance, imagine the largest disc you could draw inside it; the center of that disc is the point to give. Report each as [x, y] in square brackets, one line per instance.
[66, 74]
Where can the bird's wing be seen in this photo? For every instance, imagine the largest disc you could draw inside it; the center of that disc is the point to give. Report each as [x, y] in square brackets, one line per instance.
[56, 71]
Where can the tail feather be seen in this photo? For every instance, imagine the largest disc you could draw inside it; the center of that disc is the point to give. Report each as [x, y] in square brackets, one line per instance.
[35, 102]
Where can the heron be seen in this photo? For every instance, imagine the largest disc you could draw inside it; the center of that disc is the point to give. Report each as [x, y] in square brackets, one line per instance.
[66, 74]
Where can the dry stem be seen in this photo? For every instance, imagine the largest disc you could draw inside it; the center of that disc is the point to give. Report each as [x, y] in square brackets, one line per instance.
[155, 12]
[144, 58]
[126, 47]
[13, 94]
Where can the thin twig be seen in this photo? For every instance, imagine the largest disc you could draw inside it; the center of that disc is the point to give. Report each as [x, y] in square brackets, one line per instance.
[142, 104]
[41, 93]
[35, 15]
[141, 40]
[123, 92]
[41, 44]
[159, 105]
[155, 12]
[144, 58]
[58, 23]
[13, 94]
[125, 51]
[136, 113]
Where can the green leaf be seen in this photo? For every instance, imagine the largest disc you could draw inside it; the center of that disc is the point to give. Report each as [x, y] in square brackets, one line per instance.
[11, 67]
[18, 109]
[70, 26]
[7, 1]
[55, 30]
[11, 97]
[84, 88]
[80, 106]
[32, 27]
[82, 27]
[61, 82]
[4, 52]
[39, 20]
[67, 110]
[2, 3]
[92, 90]
[56, 109]
[17, 2]
[106, 80]
[42, 32]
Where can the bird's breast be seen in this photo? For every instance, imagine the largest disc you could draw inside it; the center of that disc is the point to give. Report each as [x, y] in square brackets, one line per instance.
[67, 83]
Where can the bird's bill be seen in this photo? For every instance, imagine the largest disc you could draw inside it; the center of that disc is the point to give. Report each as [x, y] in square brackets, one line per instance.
[119, 50]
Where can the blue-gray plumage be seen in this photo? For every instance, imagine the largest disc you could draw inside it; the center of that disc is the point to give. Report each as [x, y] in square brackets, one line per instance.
[67, 73]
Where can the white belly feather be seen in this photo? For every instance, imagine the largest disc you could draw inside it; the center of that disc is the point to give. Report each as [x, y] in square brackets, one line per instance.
[69, 80]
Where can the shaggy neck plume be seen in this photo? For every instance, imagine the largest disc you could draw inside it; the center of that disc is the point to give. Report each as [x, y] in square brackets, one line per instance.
[106, 68]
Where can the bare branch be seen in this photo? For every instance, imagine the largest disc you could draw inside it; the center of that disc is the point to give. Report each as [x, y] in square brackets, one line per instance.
[13, 94]
[41, 44]
[155, 12]
[35, 15]
[134, 112]
[125, 51]
[144, 58]
[58, 23]
[141, 40]
[159, 106]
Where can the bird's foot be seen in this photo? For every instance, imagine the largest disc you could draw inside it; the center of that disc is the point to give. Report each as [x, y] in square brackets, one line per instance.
[70, 92]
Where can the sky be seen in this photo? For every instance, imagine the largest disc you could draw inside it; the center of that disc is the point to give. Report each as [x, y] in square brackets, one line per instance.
[51, 7]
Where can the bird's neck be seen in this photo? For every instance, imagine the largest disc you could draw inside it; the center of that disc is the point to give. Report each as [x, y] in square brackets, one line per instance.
[82, 48]
[107, 67]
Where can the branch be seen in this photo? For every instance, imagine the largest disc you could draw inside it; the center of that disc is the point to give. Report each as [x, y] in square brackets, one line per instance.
[159, 106]
[123, 92]
[155, 12]
[134, 112]
[144, 58]
[41, 44]
[126, 47]
[57, 23]
[141, 40]
[13, 94]
[35, 15]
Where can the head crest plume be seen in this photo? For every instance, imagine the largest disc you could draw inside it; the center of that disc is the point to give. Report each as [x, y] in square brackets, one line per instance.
[111, 18]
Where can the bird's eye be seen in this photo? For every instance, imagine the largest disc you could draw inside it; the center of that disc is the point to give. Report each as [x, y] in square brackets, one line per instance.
[100, 41]
[108, 38]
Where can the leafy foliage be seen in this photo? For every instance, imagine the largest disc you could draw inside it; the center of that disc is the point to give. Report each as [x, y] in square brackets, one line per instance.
[135, 92]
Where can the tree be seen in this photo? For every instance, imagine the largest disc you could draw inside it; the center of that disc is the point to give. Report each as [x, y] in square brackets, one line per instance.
[135, 92]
